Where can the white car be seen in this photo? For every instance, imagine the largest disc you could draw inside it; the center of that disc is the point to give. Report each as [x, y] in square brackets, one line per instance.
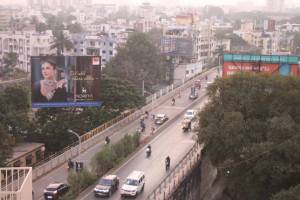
[190, 114]
[134, 184]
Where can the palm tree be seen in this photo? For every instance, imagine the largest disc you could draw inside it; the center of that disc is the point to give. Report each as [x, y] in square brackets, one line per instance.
[61, 42]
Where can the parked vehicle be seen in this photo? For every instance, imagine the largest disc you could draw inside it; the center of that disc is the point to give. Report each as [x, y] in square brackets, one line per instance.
[107, 186]
[160, 119]
[134, 184]
[55, 191]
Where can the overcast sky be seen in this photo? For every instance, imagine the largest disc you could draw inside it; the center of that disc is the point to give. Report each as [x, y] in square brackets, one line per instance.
[288, 3]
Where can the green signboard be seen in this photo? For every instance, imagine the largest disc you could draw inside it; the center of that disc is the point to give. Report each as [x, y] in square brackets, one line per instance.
[290, 59]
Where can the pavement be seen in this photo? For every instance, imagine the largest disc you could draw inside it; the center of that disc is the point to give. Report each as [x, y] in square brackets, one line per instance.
[178, 144]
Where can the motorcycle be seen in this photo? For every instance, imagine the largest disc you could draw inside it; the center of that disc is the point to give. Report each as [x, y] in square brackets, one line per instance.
[107, 140]
[167, 164]
[173, 102]
[148, 152]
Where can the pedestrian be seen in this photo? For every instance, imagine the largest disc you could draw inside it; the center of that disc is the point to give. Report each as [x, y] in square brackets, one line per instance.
[152, 130]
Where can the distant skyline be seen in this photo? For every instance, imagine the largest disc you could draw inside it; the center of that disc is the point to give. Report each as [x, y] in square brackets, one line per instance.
[288, 3]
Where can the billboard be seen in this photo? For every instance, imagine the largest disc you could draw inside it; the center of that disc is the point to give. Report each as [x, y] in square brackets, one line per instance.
[65, 81]
[280, 64]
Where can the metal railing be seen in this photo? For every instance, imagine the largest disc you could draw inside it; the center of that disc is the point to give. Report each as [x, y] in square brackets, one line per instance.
[98, 134]
[170, 183]
[16, 183]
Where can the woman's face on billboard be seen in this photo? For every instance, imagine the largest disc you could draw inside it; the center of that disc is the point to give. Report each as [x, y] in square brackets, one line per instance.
[48, 71]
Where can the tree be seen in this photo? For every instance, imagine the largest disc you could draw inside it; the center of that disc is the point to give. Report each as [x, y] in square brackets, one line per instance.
[252, 133]
[9, 62]
[75, 28]
[61, 42]
[14, 111]
[5, 146]
[290, 194]
[138, 61]
[119, 94]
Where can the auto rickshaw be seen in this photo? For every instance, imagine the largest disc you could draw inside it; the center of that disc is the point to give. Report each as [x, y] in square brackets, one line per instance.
[186, 125]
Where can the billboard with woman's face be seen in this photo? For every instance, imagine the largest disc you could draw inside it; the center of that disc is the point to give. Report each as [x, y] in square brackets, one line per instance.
[65, 81]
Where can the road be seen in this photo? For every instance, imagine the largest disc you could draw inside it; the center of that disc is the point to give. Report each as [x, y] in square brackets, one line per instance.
[172, 141]
[60, 173]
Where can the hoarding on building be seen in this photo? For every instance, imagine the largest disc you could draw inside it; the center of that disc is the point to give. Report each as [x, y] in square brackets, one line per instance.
[281, 64]
[65, 81]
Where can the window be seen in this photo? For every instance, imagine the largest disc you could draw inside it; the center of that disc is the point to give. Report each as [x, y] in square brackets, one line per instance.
[75, 50]
[187, 72]
[111, 44]
[17, 163]
[81, 42]
[81, 50]
[110, 52]
[28, 160]
[103, 51]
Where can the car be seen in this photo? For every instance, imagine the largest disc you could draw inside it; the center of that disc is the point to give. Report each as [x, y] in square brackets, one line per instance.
[160, 119]
[106, 186]
[190, 114]
[55, 191]
[134, 184]
[193, 96]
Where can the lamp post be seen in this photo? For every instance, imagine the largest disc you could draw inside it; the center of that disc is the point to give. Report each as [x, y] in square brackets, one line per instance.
[79, 139]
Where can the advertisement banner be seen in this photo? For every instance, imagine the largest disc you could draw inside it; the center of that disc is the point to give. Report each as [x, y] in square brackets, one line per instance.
[65, 81]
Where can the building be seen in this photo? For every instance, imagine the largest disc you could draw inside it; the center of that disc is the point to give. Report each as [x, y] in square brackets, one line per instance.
[184, 19]
[25, 45]
[102, 45]
[203, 42]
[273, 64]
[5, 17]
[275, 5]
[26, 154]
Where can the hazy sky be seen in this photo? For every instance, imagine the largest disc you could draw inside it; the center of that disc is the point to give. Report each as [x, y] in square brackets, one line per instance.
[288, 3]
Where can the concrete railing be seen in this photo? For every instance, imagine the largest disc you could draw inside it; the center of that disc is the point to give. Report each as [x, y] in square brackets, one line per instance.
[98, 134]
[177, 174]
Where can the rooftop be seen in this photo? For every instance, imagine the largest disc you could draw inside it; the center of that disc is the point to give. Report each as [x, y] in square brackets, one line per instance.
[24, 148]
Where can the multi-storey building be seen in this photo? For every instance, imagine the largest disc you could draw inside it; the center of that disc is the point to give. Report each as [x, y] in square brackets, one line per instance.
[203, 42]
[5, 16]
[25, 44]
[102, 45]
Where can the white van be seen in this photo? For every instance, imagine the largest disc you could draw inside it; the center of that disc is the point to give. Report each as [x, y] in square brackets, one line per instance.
[134, 184]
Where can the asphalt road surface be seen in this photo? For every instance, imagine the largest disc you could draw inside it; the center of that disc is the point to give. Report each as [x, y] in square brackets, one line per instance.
[178, 145]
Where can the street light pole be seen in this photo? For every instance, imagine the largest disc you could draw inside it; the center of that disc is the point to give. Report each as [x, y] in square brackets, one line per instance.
[79, 139]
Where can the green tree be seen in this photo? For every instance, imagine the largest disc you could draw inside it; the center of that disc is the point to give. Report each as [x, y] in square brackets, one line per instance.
[75, 28]
[290, 194]
[5, 146]
[9, 62]
[14, 111]
[252, 133]
[118, 94]
[138, 61]
[61, 42]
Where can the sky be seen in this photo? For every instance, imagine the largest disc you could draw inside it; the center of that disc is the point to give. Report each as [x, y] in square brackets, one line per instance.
[288, 3]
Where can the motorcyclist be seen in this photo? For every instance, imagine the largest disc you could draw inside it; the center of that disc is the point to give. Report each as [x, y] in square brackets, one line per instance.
[168, 162]
[143, 126]
[148, 150]
[70, 164]
[107, 140]
[173, 101]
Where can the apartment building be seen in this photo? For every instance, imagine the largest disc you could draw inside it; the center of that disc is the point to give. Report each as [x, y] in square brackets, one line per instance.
[25, 45]
[102, 45]
[203, 42]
